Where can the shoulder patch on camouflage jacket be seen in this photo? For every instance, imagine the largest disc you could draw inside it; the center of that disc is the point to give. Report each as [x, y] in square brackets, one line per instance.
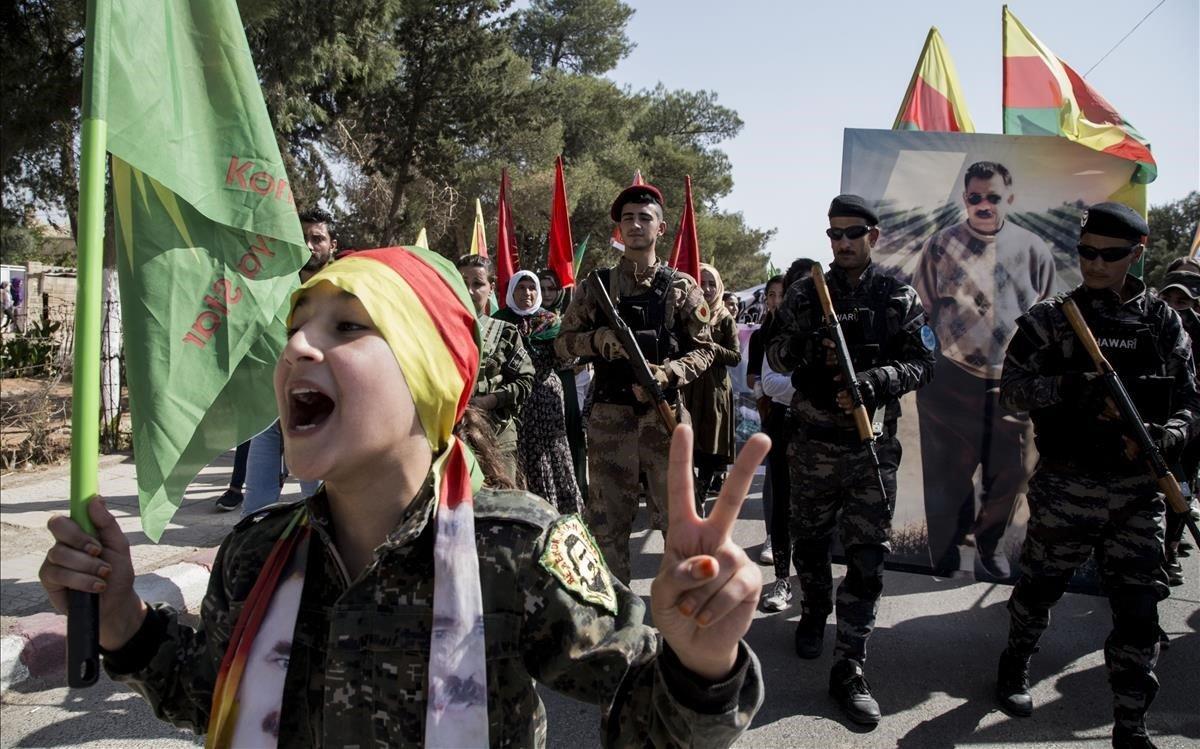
[520, 506]
[572, 556]
[276, 511]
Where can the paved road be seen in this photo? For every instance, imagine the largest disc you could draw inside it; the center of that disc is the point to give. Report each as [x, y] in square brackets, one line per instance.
[932, 665]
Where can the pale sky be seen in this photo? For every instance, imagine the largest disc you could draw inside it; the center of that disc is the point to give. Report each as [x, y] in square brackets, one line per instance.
[798, 73]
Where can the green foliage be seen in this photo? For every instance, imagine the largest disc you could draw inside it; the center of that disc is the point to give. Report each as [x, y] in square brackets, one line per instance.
[1172, 227]
[736, 250]
[580, 36]
[19, 245]
[398, 114]
[41, 54]
[32, 353]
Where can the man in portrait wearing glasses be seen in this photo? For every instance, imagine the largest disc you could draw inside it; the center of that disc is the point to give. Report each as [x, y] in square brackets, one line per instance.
[1092, 489]
[975, 278]
[834, 488]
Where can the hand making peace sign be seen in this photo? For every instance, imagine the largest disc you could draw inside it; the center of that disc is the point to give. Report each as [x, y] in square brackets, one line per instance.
[706, 590]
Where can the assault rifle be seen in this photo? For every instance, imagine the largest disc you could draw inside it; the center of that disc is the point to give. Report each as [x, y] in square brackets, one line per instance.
[1131, 418]
[637, 360]
[862, 420]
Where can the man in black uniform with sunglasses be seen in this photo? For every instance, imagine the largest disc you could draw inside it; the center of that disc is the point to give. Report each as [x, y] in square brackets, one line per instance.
[1091, 489]
[834, 488]
[975, 279]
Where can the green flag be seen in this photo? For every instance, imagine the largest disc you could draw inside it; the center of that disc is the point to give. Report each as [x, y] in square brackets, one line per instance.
[208, 241]
[579, 253]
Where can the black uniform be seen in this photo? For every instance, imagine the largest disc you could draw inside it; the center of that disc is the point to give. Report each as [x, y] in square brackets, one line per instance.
[833, 486]
[1085, 494]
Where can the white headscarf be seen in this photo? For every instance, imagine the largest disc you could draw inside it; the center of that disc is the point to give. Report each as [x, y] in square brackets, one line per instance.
[537, 293]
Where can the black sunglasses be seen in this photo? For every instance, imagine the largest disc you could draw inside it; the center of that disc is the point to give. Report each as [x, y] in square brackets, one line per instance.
[976, 198]
[850, 232]
[1108, 254]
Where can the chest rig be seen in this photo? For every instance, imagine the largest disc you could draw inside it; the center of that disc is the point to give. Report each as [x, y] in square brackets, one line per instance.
[1073, 431]
[646, 316]
[863, 316]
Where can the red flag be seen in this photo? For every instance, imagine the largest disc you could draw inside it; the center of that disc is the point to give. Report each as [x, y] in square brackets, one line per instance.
[617, 240]
[685, 255]
[507, 259]
[562, 249]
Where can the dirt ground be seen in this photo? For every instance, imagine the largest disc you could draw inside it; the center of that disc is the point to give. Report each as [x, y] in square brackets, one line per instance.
[35, 422]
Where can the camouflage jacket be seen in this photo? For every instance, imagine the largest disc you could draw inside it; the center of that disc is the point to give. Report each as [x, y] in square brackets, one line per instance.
[687, 314]
[1045, 348]
[358, 669]
[905, 359]
[505, 370]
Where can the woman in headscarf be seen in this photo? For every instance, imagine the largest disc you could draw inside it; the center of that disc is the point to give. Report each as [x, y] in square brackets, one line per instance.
[709, 398]
[401, 605]
[574, 382]
[542, 449]
[505, 369]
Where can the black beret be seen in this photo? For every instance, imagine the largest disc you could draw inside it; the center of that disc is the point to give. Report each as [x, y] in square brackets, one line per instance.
[1114, 220]
[1185, 281]
[854, 207]
[640, 194]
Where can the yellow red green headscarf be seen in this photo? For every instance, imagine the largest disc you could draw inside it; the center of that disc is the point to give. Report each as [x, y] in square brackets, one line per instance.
[418, 303]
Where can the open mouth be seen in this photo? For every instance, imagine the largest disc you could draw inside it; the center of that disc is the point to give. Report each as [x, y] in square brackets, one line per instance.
[308, 409]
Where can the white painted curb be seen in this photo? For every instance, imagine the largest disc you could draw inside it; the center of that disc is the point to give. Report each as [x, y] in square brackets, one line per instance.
[181, 585]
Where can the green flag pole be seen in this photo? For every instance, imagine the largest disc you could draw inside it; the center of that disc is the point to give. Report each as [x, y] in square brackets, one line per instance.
[83, 616]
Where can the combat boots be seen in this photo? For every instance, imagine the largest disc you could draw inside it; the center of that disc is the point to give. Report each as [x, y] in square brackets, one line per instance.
[1129, 738]
[810, 635]
[849, 687]
[1012, 685]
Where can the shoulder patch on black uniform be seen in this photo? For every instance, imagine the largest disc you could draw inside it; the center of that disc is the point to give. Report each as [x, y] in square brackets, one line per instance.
[928, 337]
[573, 557]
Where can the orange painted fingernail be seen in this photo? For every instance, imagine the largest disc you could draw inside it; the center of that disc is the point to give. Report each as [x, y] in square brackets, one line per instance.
[99, 586]
[687, 607]
[93, 549]
[704, 619]
[703, 569]
[104, 571]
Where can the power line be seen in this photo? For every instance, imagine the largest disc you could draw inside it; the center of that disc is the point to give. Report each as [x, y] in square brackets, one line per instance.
[1122, 39]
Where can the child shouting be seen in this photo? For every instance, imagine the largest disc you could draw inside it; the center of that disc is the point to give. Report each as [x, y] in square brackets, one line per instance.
[402, 604]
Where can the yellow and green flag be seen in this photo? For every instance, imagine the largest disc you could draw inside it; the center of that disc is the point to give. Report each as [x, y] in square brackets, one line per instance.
[208, 241]
[934, 100]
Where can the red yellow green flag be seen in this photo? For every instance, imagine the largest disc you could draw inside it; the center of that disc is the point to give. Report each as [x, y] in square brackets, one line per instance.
[1045, 96]
[934, 100]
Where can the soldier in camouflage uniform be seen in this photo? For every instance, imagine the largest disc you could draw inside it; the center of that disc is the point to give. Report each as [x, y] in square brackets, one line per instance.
[1091, 491]
[356, 665]
[833, 486]
[667, 312]
[506, 371]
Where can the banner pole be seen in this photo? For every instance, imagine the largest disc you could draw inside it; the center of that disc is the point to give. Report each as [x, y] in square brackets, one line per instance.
[83, 617]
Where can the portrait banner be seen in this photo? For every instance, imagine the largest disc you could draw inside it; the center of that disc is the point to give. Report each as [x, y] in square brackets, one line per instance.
[983, 227]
